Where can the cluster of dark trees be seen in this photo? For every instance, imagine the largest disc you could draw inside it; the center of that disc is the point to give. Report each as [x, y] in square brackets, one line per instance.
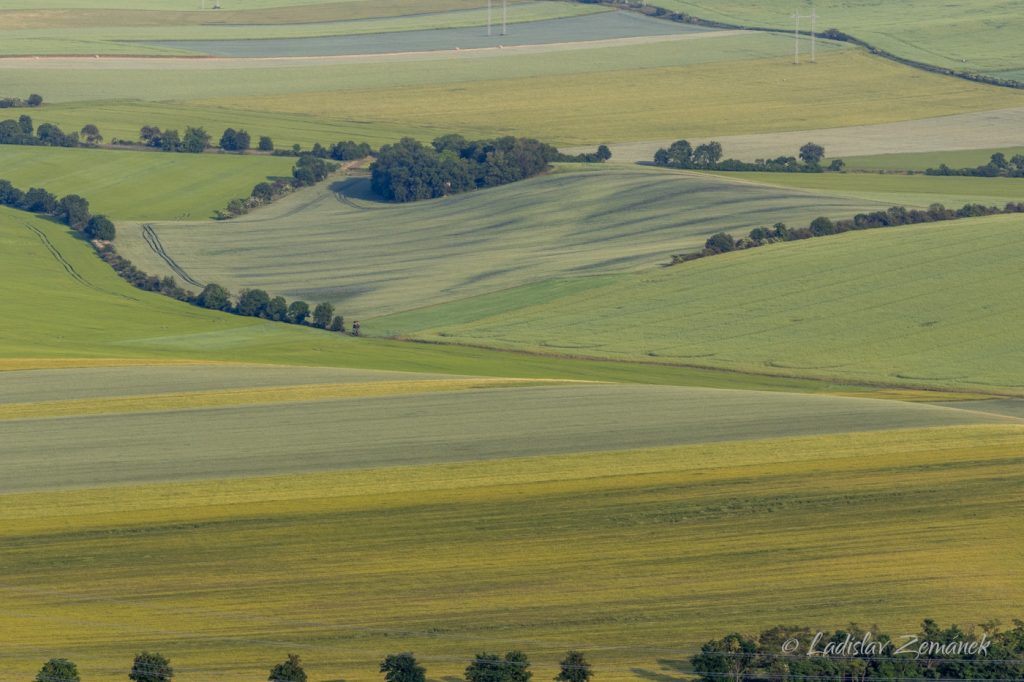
[33, 100]
[24, 132]
[783, 654]
[308, 170]
[997, 167]
[724, 242]
[258, 303]
[194, 141]
[681, 154]
[410, 170]
[403, 667]
[72, 210]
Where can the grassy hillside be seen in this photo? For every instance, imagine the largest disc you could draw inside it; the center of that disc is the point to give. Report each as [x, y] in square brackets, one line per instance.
[129, 185]
[372, 258]
[978, 36]
[75, 312]
[920, 305]
[635, 557]
[122, 37]
[919, 190]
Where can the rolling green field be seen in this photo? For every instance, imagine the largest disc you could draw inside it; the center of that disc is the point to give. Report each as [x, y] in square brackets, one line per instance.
[138, 39]
[921, 305]
[634, 557]
[94, 319]
[372, 258]
[978, 36]
[131, 185]
[648, 91]
[919, 190]
[924, 160]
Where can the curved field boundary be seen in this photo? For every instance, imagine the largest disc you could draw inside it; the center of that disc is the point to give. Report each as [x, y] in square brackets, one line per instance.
[149, 234]
[837, 36]
[68, 267]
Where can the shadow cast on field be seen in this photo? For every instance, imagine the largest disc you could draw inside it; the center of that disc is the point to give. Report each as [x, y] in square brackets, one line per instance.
[667, 666]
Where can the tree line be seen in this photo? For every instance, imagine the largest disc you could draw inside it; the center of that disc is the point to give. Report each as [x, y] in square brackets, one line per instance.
[24, 132]
[32, 100]
[723, 242]
[708, 156]
[855, 654]
[514, 666]
[307, 171]
[72, 210]
[410, 170]
[997, 167]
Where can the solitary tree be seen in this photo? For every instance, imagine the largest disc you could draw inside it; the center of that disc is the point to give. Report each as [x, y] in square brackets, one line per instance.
[91, 133]
[337, 324]
[812, 154]
[402, 668]
[322, 314]
[214, 297]
[100, 227]
[266, 144]
[574, 668]
[151, 668]
[58, 670]
[34, 100]
[289, 671]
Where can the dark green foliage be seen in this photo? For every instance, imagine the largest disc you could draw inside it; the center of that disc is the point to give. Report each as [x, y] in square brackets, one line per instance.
[234, 140]
[603, 152]
[997, 167]
[681, 154]
[264, 191]
[50, 135]
[74, 210]
[337, 324]
[322, 315]
[277, 309]
[38, 200]
[812, 154]
[289, 671]
[266, 144]
[310, 170]
[350, 151]
[514, 667]
[11, 132]
[58, 670]
[91, 134]
[574, 668]
[214, 297]
[720, 243]
[100, 227]
[411, 171]
[10, 195]
[823, 226]
[151, 668]
[195, 141]
[402, 668]
[171, 141]
[34, 100]
[837, 165]
[25, 123]
[298, 311]
[253, 303]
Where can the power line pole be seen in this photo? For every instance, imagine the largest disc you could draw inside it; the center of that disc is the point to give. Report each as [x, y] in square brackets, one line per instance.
[814, 18]
[796, 38]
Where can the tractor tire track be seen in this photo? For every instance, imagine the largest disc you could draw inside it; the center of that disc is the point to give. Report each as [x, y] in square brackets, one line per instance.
[68, 267]
[149, 234]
